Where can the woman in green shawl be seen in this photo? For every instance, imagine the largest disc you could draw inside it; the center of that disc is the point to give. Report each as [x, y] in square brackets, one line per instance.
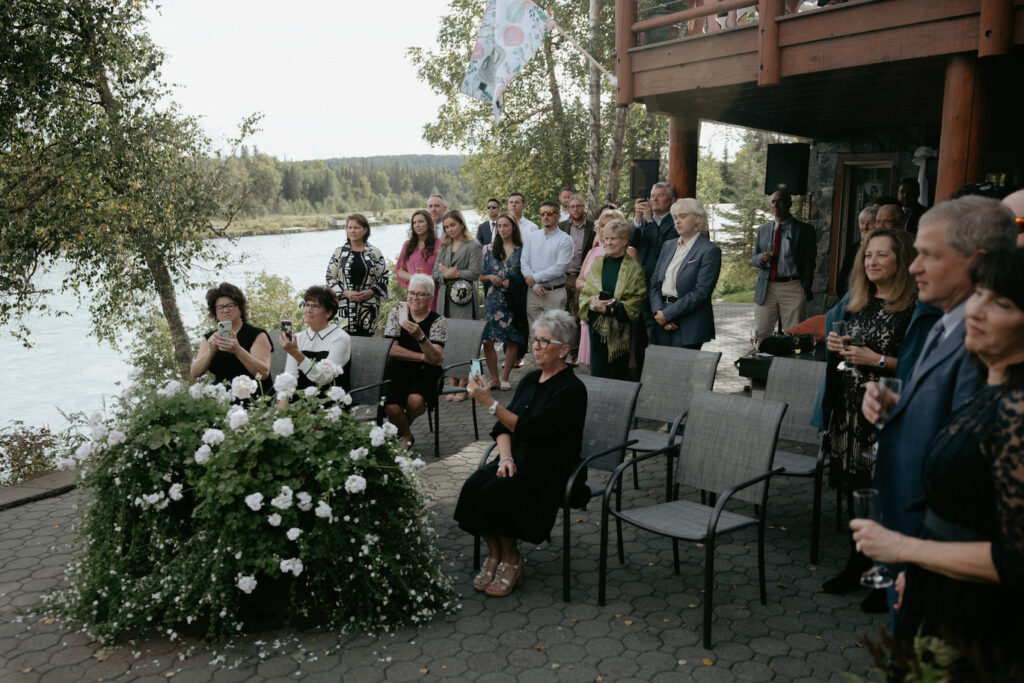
[611, 318]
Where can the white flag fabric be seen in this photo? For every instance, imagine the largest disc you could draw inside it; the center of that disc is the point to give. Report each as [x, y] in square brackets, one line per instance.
[510, 33]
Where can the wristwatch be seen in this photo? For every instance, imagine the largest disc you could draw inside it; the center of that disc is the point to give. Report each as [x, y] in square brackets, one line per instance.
[493, 408]
[881, 361]
[421, 339]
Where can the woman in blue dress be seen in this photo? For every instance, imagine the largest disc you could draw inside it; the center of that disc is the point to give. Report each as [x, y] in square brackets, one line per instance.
[505, 321]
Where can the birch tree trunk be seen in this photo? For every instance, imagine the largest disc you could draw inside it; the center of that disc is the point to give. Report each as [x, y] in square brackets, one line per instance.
[615, 155]
[594, 159]
[564, 142]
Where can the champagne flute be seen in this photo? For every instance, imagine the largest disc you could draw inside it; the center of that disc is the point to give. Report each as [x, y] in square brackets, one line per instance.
[753, 340]
[867, 505]
[840, 329]
[856, 339]
[888, 385]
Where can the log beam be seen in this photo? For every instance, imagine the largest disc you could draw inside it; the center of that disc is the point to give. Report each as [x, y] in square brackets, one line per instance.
[995, 30]
[769, 52]
[625, 12]
[963, 113]
[683, 149]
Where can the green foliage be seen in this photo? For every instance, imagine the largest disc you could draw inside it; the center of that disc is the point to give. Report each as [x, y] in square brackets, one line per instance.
[272, 298]
[29, 452]
[204, 521]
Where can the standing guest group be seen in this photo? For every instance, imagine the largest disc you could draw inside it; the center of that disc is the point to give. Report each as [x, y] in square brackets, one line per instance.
[933, 298]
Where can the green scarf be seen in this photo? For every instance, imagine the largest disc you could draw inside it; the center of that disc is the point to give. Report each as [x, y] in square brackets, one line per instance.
[630, 290]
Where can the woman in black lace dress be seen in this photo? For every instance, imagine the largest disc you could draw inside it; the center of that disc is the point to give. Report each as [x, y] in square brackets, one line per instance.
[966, 573]
[877, 310]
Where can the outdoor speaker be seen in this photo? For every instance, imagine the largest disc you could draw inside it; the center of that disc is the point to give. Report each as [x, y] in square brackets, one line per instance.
[643, 173]
[787, 168]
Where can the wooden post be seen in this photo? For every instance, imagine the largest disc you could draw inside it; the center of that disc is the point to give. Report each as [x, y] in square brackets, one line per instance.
[683, 148]
[625, 15]
[995, 30]
[769, 53]
[963, 114]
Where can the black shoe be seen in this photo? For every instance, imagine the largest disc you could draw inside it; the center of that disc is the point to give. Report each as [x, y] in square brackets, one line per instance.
[876, 602]
[849, 578]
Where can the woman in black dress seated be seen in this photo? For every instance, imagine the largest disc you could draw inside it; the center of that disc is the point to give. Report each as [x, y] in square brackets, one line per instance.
[321, 340]
[965, 578]
[244, 350]
[539, 437]
[416, 356]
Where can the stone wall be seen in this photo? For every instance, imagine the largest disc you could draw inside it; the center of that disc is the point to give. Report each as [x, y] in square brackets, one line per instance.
[821, 186]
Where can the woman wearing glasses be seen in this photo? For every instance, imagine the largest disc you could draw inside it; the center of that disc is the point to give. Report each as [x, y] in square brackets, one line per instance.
[235, 347]
[319, 341]
[416, 356]
[610, 302]
[358, 274]
[539, 437]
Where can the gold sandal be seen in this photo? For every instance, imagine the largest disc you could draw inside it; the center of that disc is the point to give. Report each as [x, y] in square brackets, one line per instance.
[506, 578]
[486, 574]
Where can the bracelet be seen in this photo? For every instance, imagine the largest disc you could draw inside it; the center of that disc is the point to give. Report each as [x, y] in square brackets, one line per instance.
[421, 339]
[504, 459]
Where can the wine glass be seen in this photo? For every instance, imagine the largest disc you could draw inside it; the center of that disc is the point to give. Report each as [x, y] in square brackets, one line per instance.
[856, 338]
[840, 328]
[867, 505]
[753, 340]
[888, 385]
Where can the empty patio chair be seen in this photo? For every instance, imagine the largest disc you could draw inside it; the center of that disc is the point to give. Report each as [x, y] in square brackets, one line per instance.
[462, 347]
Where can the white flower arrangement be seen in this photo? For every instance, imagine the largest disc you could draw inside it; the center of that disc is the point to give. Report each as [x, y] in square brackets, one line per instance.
[202, 455]
[284, 427]
[212, 437]
[355, 484]
[246, 584]
[237, 417]
[115, 437]
[243, 387]
[293, 533]
[254, 501]
[285, 383]
[338, 394]
[274, 520]
[357, 454]
[305, 501]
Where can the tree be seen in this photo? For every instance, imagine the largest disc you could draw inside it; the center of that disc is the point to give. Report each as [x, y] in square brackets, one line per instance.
[95, 171]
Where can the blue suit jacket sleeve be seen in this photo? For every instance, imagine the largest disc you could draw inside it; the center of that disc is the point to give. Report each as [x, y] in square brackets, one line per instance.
[709, 265]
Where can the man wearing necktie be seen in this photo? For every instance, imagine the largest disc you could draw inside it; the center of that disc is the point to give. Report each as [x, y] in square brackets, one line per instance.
[485, 231]
[784, 253]
[942, 378]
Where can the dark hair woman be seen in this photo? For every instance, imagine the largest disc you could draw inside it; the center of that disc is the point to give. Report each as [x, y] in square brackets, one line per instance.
[358, 274]
[888, 325]
[505, 302]
[235, 347]
[321, 340]
[965, 578]
[419, 252]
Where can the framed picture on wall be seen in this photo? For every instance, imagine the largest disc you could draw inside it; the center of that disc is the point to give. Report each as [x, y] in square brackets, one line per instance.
[860, 180]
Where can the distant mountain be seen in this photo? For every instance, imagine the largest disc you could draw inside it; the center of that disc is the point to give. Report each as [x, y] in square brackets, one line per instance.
[451, 162]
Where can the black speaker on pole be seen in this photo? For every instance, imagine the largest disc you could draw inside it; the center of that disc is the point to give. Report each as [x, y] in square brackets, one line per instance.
[643, 173]
[787, 168]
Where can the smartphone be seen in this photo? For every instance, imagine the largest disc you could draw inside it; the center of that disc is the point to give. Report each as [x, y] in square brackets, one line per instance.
[224, 329]
[474, 368]
[403, 311]
[604, 294]
[286, 327]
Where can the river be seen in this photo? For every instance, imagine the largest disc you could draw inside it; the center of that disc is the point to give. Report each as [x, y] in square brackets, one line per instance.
[67, 371]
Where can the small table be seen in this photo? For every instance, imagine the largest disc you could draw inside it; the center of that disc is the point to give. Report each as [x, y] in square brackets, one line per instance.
[754, 365]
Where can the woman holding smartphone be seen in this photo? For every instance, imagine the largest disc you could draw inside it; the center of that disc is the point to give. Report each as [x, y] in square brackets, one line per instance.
[416, 356]
[610, 302]
[235, 347]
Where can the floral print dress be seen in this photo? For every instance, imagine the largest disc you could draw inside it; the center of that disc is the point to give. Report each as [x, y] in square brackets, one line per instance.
[497, 311]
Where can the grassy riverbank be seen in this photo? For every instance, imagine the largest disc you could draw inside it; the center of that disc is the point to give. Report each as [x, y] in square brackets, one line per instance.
[275, 224]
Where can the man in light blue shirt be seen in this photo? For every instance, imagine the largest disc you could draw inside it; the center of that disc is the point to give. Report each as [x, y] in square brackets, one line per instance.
[546, 257]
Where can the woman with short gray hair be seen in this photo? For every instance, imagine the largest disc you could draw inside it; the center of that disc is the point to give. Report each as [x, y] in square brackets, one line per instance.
[539, 438]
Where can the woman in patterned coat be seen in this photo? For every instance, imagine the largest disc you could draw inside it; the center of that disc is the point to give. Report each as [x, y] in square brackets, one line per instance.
[358, 274]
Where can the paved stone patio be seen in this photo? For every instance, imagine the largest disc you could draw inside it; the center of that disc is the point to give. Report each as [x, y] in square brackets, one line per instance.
[649, 631]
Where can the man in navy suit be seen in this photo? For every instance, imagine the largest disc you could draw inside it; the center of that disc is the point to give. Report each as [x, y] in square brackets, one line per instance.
[683, 280]
[784, 255]
[949, 236]
[486, 230]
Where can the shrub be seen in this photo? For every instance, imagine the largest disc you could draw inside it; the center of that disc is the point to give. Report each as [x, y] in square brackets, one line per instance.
[27, 452]
[202, 513]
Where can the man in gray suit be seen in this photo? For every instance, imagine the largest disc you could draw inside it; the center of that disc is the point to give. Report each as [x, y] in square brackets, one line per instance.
[784, 254]
[949, 236]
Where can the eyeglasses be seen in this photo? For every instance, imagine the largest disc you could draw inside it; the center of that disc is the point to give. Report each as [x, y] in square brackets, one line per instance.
[224, 308]
[418, 295]
[547, 213]
[542, 343]
[492, 206]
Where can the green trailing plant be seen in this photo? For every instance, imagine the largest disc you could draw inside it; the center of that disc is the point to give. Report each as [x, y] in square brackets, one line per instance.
[212, 518]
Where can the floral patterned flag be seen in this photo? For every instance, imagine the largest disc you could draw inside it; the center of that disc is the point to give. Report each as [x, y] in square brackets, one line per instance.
[510, 33]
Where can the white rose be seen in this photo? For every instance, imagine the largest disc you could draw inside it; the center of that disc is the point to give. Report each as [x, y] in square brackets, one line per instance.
[115, 437]
[274, 520]
[246, 584]
[418, 464]
[355, 484]
[323, 510]
[333, 414]
[305, 501]
[170, 388]
[283, 500]
[310, 391]
[218, 391]
[358, 454]
[283, 426]
[83, 451]
[197, 391]
[336, 393]
[328, 369]
[203, 455]
[389, 428]
[377, 436]
[403, 463]
[174, 493]
[65, 464]
[293, 533]
[285, 383]
[243, 386]
[254, 501]
[293, 565]
[238, 418]
[212, 437]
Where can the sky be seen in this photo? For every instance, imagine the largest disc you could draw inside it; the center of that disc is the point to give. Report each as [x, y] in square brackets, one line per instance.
[330, 77]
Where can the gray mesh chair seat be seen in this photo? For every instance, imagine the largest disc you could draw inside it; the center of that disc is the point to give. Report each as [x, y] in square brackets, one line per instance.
[610, 404]
[728, 449]
[462, 347]
[368, 367]
[670, 377]
[795, 382]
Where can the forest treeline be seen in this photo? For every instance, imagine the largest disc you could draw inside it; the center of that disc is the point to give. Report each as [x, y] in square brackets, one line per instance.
[342, 185]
